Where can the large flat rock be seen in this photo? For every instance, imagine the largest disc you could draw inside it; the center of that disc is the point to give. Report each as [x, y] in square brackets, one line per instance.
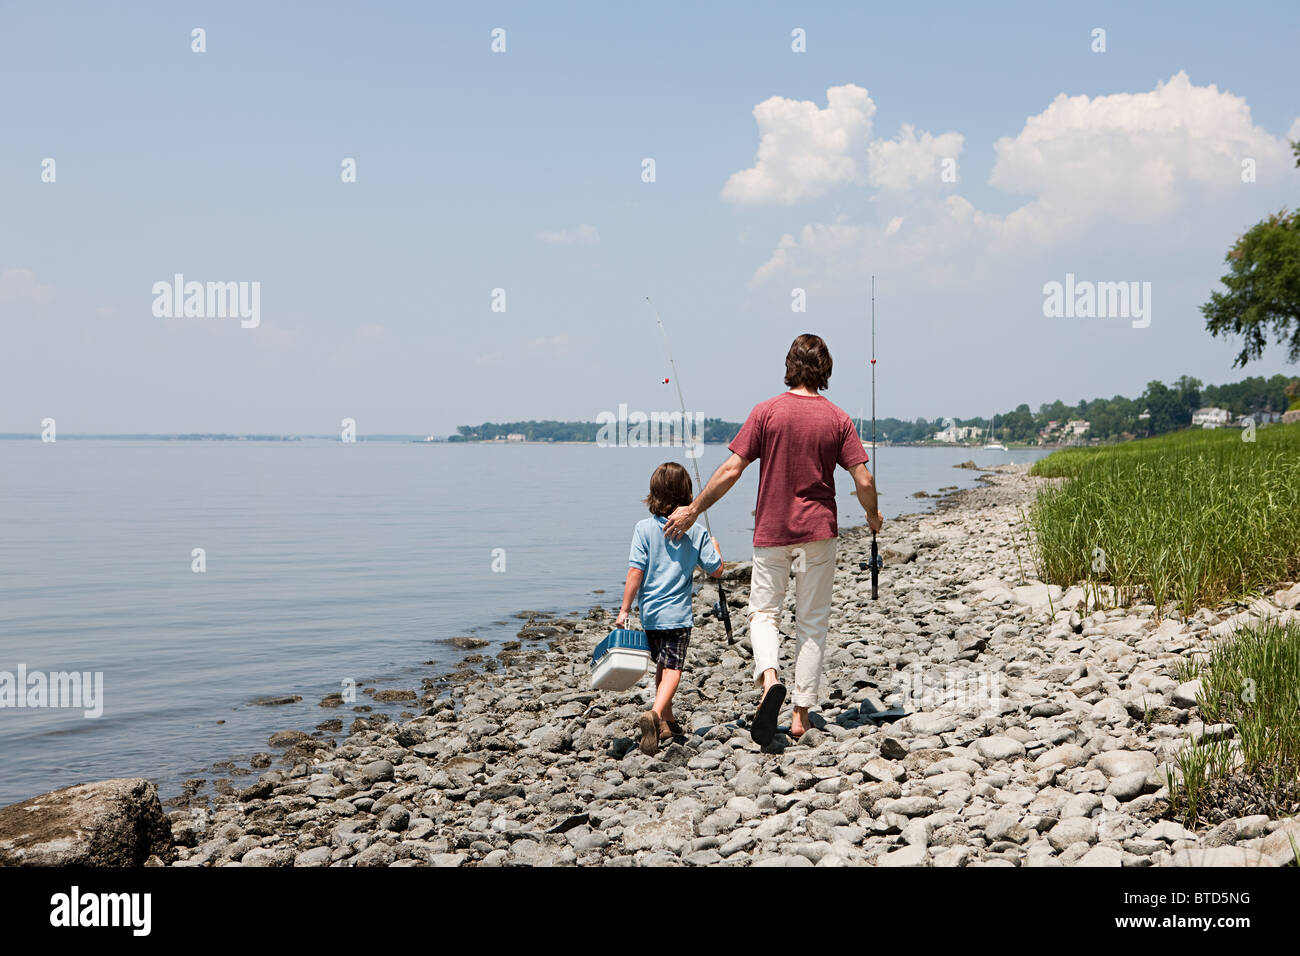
[108, 823]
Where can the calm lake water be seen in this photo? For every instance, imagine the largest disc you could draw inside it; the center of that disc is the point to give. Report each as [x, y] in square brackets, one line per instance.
[324, 562]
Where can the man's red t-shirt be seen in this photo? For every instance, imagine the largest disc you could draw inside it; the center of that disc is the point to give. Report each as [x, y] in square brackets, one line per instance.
[798, 440]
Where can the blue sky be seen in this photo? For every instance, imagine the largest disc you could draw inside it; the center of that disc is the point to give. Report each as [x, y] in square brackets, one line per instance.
[522, 171]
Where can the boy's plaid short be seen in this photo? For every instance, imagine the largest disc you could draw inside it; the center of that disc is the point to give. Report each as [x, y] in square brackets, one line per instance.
[668, 648]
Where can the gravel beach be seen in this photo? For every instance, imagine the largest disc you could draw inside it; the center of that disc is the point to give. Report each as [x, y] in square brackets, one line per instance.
[1037, 734]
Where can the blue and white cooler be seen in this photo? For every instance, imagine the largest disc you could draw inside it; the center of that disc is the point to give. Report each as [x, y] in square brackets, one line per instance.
[620, 660]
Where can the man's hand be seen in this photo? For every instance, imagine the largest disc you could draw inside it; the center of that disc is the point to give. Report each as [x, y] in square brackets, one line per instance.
[621, 620]
[875, 522]
[679, 522]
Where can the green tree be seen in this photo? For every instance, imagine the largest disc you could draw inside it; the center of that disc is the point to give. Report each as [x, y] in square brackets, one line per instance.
[1166, 407]
[1188, 390]
[1263, 288]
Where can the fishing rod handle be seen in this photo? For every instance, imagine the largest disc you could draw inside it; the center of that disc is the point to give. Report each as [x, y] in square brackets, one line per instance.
[875, 569]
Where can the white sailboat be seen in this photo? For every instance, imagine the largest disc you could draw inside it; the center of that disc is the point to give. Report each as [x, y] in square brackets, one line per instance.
[994, 445]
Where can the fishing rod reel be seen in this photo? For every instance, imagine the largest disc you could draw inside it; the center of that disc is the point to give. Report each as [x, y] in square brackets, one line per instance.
[874, 564]
[716, 611]
[720, 611]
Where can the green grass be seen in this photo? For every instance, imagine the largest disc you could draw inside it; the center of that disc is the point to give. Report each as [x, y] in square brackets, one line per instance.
[1196, 517]
[1252, 681]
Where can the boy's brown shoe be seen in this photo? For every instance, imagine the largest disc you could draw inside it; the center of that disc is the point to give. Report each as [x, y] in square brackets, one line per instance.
[648, 725]
[668, 729]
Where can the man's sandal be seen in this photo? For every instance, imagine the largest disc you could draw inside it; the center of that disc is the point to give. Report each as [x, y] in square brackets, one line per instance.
[763, 728]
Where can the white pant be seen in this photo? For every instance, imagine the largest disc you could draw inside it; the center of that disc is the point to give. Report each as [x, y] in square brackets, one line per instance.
[814, 577]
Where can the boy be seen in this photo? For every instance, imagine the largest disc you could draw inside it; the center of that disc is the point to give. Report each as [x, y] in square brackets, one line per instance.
[659, 577]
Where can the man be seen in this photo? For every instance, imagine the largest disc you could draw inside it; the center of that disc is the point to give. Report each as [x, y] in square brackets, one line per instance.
[798, 437]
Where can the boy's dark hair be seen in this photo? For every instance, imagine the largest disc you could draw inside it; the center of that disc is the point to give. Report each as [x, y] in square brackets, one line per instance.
[808, 363]
[670, 488]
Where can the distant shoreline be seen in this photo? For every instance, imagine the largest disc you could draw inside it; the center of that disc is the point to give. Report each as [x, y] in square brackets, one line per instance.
[419, 440]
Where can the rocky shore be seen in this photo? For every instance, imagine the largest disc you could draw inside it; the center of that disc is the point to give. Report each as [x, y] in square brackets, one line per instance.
[1038, 734]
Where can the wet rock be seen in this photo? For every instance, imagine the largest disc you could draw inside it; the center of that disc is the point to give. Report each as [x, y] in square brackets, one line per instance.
[287, 738]
[377, 770]
[466, 643]
[386, 696]
[116, 822]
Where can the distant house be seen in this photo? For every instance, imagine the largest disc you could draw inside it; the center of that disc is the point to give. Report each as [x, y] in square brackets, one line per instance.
[1211, 417]
[1146, 414]
[958, 433]
[1257, 418]
[1075, 427]
[514, 436]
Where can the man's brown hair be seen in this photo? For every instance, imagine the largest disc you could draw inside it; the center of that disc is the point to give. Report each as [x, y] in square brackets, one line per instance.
[670, 488]
[808, 363]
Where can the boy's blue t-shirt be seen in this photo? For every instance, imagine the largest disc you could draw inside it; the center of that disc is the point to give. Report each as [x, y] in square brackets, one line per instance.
[665, 596]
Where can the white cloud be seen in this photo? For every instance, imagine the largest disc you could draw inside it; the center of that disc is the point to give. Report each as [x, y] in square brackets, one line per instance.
[910, 160]
[583, 235]
[1131, 158]
[804, 150]
[1131, 154]
[821, 238]
[20, 286]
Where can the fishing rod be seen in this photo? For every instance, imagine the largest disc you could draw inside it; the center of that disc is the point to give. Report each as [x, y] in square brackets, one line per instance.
[874, 564]
[721, 607]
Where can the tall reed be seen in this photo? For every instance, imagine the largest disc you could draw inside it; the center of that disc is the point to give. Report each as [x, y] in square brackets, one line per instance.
[1196, 517]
